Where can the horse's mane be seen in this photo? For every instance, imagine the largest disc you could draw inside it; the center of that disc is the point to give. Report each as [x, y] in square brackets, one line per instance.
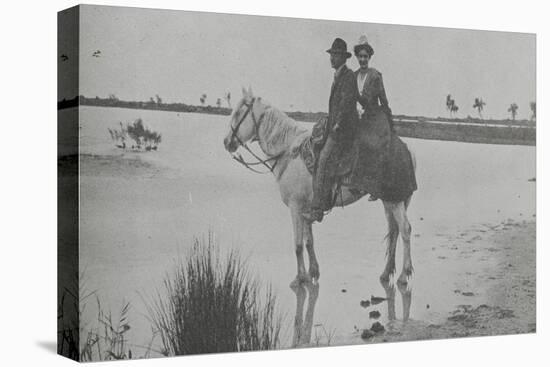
[279, 131]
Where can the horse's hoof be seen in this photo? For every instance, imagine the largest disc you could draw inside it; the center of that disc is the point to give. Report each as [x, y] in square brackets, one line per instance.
[403, 288]
[295, 284]
[300, 280]
[385, 277]
[314, 273]
[313, 289]
[403, 279]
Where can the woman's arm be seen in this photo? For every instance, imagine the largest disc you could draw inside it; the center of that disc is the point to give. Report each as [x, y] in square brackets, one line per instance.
[382, 94]
[384, 101]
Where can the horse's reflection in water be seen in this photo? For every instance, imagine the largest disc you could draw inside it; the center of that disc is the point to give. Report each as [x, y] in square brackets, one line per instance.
[406, 296]
[303, 327]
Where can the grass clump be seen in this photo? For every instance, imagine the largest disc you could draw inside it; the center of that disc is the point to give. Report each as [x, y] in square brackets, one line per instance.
[68, 316]
[106, 339]
[211, 305]
[137, 132]
[100, 339]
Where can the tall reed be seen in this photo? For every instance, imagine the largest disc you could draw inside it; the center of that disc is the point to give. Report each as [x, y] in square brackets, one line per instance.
[211, 304]
[92, 340]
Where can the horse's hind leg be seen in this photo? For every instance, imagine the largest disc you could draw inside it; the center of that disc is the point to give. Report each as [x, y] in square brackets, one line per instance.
[400, 215]
[313, 264]
[298, 227]
[391, 238]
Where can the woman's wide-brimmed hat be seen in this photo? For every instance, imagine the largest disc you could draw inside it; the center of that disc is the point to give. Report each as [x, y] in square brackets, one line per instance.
[339, 46]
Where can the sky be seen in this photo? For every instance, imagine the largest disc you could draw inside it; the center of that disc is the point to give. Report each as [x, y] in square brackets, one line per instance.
[180, 55]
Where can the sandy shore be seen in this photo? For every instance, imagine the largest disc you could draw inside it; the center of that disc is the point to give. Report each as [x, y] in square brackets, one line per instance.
[504, 288]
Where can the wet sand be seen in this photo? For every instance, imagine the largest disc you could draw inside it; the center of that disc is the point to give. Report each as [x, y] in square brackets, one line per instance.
[117, 166]
[502, 289]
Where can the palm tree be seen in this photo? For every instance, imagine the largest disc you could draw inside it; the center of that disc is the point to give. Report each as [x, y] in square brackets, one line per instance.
[513, 109]
[533, 106]
[478, 104]
[158, 99]
[228, 99]
[454, 108]
[219, 102]
[203, 99]
[449, 103]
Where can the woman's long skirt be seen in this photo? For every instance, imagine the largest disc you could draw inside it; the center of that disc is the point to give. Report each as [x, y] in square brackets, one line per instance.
[384, 166]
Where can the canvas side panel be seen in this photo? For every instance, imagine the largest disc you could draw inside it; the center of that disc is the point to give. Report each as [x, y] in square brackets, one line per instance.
[67, 183]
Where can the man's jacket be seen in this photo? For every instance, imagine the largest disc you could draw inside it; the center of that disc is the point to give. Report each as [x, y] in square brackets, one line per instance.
[342, 109]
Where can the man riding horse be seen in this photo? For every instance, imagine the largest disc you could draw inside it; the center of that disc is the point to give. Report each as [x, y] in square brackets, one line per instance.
[341, 125]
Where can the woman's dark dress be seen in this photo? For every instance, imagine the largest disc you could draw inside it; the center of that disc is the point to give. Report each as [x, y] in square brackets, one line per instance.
[384, 166]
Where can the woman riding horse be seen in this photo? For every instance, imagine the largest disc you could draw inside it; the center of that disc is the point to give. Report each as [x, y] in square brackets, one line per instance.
[375, 172]
[368, 176]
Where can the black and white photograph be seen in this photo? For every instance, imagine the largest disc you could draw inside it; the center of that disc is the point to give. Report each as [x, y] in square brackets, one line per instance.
[233, 183]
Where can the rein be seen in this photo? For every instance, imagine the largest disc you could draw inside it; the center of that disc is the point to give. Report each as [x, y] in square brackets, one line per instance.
[238, 157]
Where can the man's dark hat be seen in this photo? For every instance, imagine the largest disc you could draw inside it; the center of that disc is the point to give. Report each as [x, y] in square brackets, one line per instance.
[339, 46]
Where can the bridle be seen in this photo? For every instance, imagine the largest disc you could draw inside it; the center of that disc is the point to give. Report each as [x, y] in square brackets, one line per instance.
[234, 134]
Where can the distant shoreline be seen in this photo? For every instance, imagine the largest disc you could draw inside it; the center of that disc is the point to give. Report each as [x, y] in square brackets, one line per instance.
[471, 130]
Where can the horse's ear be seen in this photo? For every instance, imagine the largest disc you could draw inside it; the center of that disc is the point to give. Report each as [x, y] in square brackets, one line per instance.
[250, 94]
[245, 94]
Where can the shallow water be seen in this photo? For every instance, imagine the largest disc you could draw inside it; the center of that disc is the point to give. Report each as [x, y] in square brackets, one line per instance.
[133, 225]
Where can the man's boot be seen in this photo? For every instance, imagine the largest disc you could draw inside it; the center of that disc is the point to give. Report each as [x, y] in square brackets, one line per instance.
[314, 215]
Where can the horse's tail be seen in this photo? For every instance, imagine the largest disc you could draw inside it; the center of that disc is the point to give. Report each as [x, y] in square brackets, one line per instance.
[413, 157]
[407, 201]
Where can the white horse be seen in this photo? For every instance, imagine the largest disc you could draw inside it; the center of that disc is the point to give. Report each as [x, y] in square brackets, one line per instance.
[278, 135]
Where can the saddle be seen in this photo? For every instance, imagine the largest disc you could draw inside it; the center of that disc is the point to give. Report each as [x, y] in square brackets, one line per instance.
[310, 149]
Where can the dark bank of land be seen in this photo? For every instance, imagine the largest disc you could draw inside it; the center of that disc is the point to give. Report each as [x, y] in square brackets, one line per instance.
[471, 130]
[465, 132]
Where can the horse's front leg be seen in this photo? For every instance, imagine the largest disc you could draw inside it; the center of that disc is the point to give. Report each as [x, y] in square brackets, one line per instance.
[313, 264]
[298, 227]
[300, 292]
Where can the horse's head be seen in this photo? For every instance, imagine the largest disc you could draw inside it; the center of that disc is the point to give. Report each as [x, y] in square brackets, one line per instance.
[244, 121]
